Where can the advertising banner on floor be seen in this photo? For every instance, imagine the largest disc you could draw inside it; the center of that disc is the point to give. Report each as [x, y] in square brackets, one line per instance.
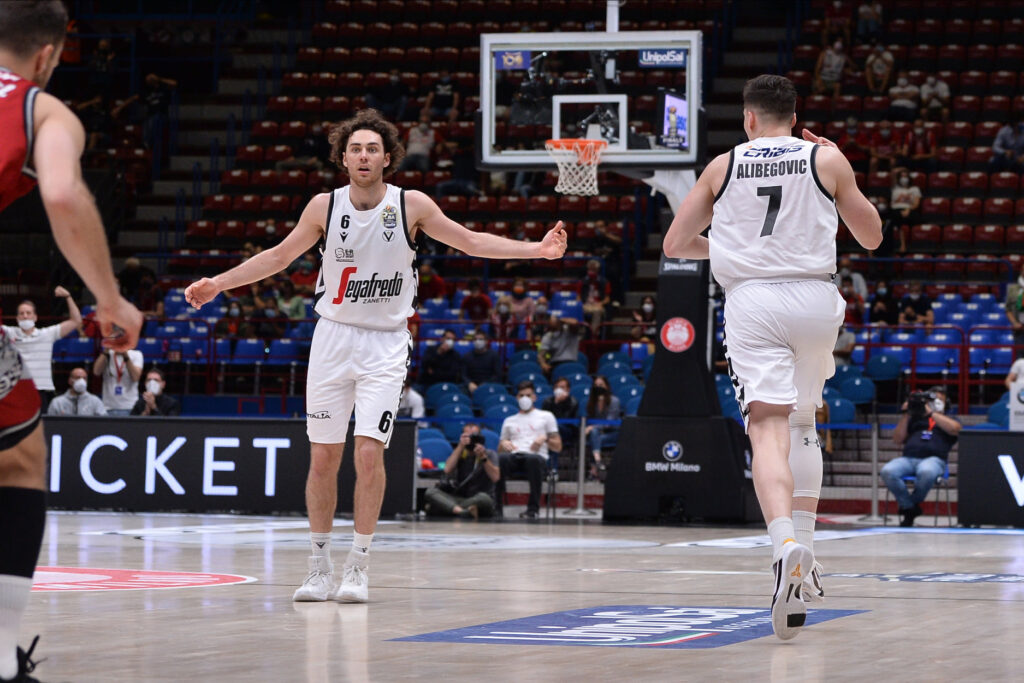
[142, 464]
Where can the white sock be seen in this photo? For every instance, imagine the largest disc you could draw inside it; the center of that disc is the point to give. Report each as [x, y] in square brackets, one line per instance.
[14, 592]
[321, 544]
[781, 530]
[803, 522]
[361, 542]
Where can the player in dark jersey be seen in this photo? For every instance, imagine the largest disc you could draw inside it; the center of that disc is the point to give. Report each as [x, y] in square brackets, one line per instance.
[41, 142]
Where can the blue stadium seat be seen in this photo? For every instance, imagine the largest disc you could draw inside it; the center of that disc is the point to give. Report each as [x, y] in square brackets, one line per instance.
[633, 405]
[434, 309]
[616, 367]
[726, 392]
[581, 393]
[538, 379]
[944, 337]
[284, 352]
[843, 373]
[612, 357]
[580, 379]
[563, 295]
[981, 337]
[491, 438]
[221, 350]
[999, 413]
[985, 298]
[841, 410]
[526, 355]
[951, 298]
[424, 433]
[625, 392]
[192, 349]
[993, 359]
[152, 349]
[435, 391]
[994, 318]
[486, 390]
[523, 369]
[495, 399]
[962, 320]
[638, 352]
[452, 430]
[722, 380]
[828, 392]
[646, 366]
[902, 353]
[463, 346]
[248, 351]
[934, 359]
[905, 338]
[437, 450]
[81, 350]
[571, 308]
[497, 413]
[441, 400]
[883, 366]
[858, 390]
[941, 311]
[566, 369]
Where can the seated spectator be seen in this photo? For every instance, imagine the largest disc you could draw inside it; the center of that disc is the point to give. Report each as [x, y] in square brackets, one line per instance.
[420, 143]
[442, 363]
[411, 404]
[596, 295]
[905, 200]
[77, 400]
[291, 305]
[885, 310]
[608, 245]
[467, 489]
[1008, 149]
[154, 402]
[602, 405]
[1015, 373]
[878, 68]
[904, 99]
[464, 173]
[828, 72]
[430, 284]
[482, 364]
[869, 20]
[560, 344]
[926, 435]
[150, 297]
[131, 275]
[935, 97]
[855, 143]
[413, 324]
[390, 98]
[525, 440]
[922, 148]
[521, 305]
[854, 302]
[120, 371]
[1014, 307]
[476, 306]
[564, 406]
[273, 325]
[647, 320]
[305, 274]
[894, 233]
[843, 349]
[444, 98]
[916, 307]
[886, 148]
[233, 325]
[846, 270]
[537, 325]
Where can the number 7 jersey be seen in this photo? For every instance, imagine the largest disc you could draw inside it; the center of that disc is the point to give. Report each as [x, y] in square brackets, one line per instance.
[773, 220]
[367, 278]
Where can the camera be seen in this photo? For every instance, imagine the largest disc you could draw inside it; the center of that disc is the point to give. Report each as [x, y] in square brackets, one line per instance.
[475, 440]
[918, 401]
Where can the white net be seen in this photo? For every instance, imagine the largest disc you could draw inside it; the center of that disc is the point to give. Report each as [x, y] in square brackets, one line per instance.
[577, 161]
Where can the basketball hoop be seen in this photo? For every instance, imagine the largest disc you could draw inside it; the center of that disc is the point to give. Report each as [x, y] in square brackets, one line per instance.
[577, 160]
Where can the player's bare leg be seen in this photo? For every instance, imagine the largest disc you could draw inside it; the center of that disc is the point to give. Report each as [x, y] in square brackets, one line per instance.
[22, 516]
[321, 501]
[773, 481]
[369, 495]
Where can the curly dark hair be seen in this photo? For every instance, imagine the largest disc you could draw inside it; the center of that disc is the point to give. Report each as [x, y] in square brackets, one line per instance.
[367, 119]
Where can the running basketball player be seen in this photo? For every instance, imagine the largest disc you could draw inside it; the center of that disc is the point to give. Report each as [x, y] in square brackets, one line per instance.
[361, 344]
[41, 142]
[772, 205]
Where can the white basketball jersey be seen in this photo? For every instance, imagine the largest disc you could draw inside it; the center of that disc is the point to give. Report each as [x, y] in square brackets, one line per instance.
[367, 277]
[773, 220]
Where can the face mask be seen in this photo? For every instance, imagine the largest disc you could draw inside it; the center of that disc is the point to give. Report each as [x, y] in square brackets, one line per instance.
[503, 309]
[847, 291]
[919, 131]
[78, 386]
[882, 291]
[914, 297]
[904, 181]
[153, 387]
[938, 405]
[424, 127]
[1020, 281]
[479, 344]
[448, 343]
[902, 82]
[851, 130]
[930, 80]
[234, 312]
[838, 47]
[560, 393]
[541, 310]
[648, 308]
[525, 403]
[394, 79]
[883, 208]
[565, 328]
[845, 270]
[306, 267]
[26, 324]
[885, 132]
[269, 313]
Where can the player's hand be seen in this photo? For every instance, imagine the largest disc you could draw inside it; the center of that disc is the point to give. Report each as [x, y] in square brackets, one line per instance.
[61, 292]
[120, 324]
[201, 292]
[818, 139]
[554, 243]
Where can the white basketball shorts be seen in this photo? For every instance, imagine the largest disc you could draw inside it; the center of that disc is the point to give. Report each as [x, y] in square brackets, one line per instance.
[354, 366]
[779, 339]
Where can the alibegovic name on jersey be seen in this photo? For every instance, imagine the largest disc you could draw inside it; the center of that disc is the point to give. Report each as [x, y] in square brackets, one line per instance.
[369, 291]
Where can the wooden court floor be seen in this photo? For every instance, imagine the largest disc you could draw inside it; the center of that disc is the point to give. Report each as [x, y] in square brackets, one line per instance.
[585, 601]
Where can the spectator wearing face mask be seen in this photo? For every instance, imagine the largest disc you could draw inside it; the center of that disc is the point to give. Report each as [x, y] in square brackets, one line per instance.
[832, 64]
[442, 363]
[120, 371]
[904, 99]
[420, 143]
[430, 285]
[444, 98]
[564, 406]
[905, 199]
[935, 97]
[1014, 307]
[273, 324]
[521, 305]
[843, 349]
[537, 325]
[482, 364]
[601, 405]
[304, 276]
[411, 404]
[503, 323]
[854, 303]
[476, 306]
[596, 295]
[894, 234]
[154, 402]
[921, 148]
[860, 285]
[77, 400]
[885, 148]
[526, 438]
[390, 97]
[289, 302]
[855, 144]
[233, 325]
[916, 307]
[878, 68]
[561, 343]
[1008, 149]
[150, 297]
[36, 344]
[646, 319]
[885, 310]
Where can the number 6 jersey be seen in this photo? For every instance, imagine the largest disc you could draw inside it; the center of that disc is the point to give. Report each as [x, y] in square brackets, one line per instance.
[367, 277]
[773, 220]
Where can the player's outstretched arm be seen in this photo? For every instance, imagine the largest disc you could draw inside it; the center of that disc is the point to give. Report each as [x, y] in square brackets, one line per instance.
[683, 239]
[425, 215]
[74, 219]
[836, 175]
[307, 232]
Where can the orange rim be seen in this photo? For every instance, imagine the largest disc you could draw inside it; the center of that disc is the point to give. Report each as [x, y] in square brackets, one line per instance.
[587, 150]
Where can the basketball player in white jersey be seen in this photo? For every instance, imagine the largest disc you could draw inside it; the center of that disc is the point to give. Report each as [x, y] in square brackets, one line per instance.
[772, 205]
[361, 344]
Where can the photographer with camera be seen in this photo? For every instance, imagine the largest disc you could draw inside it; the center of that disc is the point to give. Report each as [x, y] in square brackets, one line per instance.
[927, 435]
[467, 488]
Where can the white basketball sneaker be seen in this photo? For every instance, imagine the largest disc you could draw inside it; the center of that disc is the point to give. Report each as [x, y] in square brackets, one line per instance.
[355, 585]
[318, 585]
[812, 590]
[788, 609]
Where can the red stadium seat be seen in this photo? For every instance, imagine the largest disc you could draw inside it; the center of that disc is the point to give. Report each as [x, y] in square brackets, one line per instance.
[431, 179]
[276, 204]
[336, 57]
[542, 206]
[1004, 184]
[217, 203]
[572, 207]
[324, 33]
[976, 158]
[308, 58]
[942, 184]
[336, 106]
[980, 57]
[296, 81]
[948, 268]
[1015, 238]
[246, 204]
[234, 180]
[534, 230]
[453, 205]
[957, 236]
[921, 57]
[294, 179]
[1018, 105]
[818, 107]
[917, 266]
[483, 207]
[995, 108]
[901, 31]
[879, 183]
[875, 108]
[949, 158]
[1003, 83]
[929, 31]
[846, 105]
[989, 237]
[309, 106]
[967, 209]
[998, 210]
[974, 83]
[250, 154]
[280, 107]
[985, 267]
[231, 230]
[200, 229]
[277, 153]
[511, 206]
[985, 132]
[973, 184]
[957, 31]
[965, 108]
[926, 236]
[958, 133]
[264, 180]
[501, 228]
[324, 81]
[1010, 56]
[950, 57]
[364, 58]
[264, 130]
[935, 209]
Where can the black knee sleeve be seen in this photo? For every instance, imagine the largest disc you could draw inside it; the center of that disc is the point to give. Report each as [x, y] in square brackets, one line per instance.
[22, 516]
